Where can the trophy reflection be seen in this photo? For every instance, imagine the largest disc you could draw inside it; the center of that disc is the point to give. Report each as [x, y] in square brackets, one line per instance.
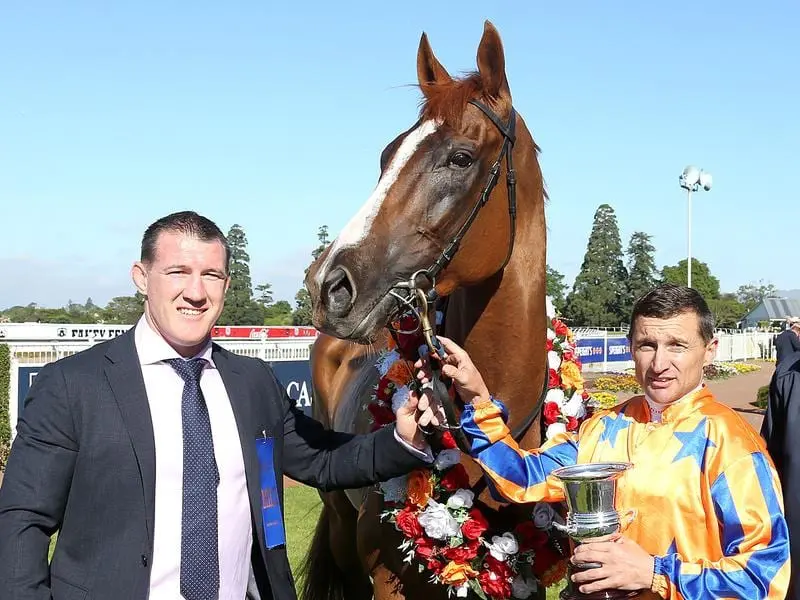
[591, 492]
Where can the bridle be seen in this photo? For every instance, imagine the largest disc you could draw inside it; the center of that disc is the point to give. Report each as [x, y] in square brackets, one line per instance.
[419, 294]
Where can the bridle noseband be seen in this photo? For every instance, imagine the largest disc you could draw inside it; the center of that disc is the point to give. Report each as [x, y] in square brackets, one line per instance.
[419, 294]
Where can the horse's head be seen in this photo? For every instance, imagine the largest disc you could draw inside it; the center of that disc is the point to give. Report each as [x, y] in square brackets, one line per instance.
[432, 179]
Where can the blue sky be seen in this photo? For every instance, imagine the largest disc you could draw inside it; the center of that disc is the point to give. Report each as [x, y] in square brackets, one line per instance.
[273, 115]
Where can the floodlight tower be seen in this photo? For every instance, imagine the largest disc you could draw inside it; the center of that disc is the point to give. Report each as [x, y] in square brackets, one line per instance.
[692, 179]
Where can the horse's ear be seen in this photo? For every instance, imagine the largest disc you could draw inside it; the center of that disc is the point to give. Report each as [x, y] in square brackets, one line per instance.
[492, 63]
[430, 71]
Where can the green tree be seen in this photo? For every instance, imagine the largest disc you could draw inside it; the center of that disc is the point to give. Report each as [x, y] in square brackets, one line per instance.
[702, 279]
[642, 272]
[324, 242]
[599, 292]
[556, 288]
[302, 314]
[240, 308]
[727, 310]
[264, 297]
[752, 294]
[279, 313]
[123, 310]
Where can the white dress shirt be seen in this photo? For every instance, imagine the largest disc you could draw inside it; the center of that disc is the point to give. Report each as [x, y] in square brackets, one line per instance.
[164, 391]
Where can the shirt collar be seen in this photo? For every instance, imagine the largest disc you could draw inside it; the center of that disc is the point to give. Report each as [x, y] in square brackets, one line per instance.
[685, 405]
[153, 349]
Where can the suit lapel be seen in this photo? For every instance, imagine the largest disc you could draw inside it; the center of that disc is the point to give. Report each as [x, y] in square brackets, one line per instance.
[127, 384]
[241, 402]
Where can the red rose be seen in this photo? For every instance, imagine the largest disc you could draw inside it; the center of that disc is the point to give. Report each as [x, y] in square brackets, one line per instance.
[554, 380]
[385, 390]
[551, 412]
[474, 527]
[408, 523]
[572, 424]
[448, 442]
[493, 585]
[435, 566]
[529, 536]
[498, 567]
[585, 395]
[462, 554]
[424, 548]
[559, 327]
[548, 345]
[455, 479]
[568, 356]
[381, 413]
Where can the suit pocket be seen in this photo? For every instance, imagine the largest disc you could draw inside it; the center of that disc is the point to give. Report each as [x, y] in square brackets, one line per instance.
[64, 590]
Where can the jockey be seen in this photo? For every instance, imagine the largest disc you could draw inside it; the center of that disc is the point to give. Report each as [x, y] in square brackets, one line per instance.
[710, 519]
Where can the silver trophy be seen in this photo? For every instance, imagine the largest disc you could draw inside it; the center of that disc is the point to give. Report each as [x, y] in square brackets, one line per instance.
[592, 515]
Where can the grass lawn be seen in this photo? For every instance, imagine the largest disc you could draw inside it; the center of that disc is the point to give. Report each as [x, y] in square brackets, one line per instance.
[302, 510]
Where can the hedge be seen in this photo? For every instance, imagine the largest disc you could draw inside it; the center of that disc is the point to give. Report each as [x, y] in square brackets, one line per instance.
[5, 418]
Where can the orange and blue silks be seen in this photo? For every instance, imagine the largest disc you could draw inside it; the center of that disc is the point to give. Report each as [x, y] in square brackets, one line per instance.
[709, 502]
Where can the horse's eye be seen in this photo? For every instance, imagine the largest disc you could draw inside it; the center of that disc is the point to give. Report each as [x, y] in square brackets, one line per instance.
[460, 159]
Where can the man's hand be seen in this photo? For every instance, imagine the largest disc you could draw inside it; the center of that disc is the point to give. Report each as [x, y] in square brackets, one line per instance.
[415, 413]
[459, 367]
[626, 566]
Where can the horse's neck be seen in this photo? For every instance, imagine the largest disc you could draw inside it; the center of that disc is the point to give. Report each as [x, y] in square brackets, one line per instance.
[502, 325]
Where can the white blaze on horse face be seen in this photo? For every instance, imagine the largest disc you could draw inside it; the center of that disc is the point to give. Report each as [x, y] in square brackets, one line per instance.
[359, 226]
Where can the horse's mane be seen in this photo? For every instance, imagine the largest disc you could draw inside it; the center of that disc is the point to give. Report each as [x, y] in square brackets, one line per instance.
[446, 102]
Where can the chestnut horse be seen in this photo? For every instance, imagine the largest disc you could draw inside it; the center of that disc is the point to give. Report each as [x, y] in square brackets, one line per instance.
[483, 247]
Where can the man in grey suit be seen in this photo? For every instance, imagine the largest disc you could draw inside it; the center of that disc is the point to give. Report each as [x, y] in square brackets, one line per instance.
[159, 456]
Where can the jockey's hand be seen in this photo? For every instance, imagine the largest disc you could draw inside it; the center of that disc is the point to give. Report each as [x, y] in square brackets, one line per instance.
[626, 566]
[457, 366]
[418, 412]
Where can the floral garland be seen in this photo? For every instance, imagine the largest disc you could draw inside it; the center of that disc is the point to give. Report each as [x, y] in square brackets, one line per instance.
[445, 532]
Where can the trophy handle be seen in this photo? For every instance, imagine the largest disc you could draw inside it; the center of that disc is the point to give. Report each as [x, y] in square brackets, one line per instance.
[626, 519]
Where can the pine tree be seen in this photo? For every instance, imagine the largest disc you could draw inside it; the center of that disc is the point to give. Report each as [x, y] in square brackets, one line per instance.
[240, 308]
[598, 295]
[642, 272]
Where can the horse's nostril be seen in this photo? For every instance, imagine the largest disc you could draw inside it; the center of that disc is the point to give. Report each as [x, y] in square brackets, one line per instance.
[338, 291]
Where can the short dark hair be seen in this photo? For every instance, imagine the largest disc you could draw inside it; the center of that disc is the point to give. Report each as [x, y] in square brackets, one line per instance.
[187, 222]
[669, 300]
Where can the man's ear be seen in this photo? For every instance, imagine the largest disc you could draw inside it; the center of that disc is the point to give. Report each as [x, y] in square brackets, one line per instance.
[711, 351]
[139, 276]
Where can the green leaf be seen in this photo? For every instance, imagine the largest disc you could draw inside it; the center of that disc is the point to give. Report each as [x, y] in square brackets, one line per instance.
[476, 587]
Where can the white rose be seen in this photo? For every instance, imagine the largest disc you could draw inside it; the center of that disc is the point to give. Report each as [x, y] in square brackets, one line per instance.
[549, 309]
[574, 407]
[462, 591]
[522, 587]
[437, 521]
[551, 335]
[554, 429]
[553, 360]
[543, 515]
[555, 395]
[447, 458]
[395, 489]
[461, 499]
[503, 546]
[399, 398]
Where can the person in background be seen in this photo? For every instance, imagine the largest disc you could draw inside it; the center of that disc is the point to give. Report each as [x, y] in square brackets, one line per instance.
[787, 342]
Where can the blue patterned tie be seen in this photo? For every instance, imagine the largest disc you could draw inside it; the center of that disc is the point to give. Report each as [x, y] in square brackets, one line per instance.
[199, 543]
